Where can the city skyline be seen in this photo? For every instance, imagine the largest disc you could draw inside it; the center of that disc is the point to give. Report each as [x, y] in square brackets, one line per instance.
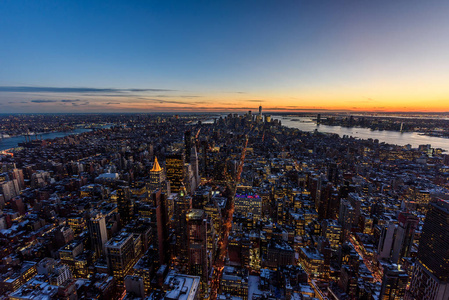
[223, 56]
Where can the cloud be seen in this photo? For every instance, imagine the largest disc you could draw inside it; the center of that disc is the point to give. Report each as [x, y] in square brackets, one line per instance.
[254, 100]
[111, 103]
[50, 89]
[165, 101]
[80, 104]
[43, 101]
[70, 101]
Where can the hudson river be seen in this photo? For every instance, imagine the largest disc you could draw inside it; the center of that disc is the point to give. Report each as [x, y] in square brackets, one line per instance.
[390, 137]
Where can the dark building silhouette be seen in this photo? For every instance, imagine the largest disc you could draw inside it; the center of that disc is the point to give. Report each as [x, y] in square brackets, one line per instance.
[158, 200]
[125, 204]
[182, 204]
[430, 278]
[188, 144]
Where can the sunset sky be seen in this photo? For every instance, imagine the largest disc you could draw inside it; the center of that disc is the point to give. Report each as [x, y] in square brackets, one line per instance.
[146, 56]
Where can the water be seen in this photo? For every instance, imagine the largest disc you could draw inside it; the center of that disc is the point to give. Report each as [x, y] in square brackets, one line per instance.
[390, 137]
[8, 143]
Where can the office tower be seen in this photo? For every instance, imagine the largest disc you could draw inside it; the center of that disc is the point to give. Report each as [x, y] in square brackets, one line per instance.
[18, 174]
[189, 180]
[332, 231]
[125, 205]
[394, 283]
[318, 119]
[332, 172]
[386, 241]
[260, 110]
[197, 243]
[156, 176]
[98, 234]
[188, 144]
[247, 202]
[430, 278]
[158, 200]
[135, 286]
[194, 166]
[174, 164]
[405, 234]
[8, 189]
[346, 215]
[328, 205]
[356, 203]
[182, 204]
[120, 255]
[204, 161]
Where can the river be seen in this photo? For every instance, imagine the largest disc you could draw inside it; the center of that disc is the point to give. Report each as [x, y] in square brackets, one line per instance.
[390, 137]
[8, 143]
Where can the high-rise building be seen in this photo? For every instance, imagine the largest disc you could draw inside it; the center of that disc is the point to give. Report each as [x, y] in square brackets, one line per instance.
[98, 234]
[394, 283]
[158, 200]
[405, 234]
[120, 255]
[386, 241]
[156, 176]
[125, 204]
[194, 165]
[430, 278]
[174, 164]
[188, 144]
[248, 202]
[182, 203]
[197, 243]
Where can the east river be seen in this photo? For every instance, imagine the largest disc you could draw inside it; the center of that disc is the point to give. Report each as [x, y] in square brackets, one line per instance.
[390, 137]
[8, 143]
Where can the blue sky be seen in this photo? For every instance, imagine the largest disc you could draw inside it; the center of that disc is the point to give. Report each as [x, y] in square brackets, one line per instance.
[223, 55]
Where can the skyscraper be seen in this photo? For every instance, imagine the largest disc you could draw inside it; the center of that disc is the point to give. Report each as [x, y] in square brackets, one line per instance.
[197, 242]
[394, 283]
[405, 234]
[159, 199]
[188, 144]
[174, 164]
[194, 165]
[182, 204]
[430, 278]
[125, 204]
[120, 255]
[156, 176]
[97, 232]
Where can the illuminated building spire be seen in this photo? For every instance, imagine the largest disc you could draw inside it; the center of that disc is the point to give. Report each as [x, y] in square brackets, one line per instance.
[156, 166]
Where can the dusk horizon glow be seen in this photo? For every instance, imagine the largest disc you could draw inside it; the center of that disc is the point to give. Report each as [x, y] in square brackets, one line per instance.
[354, 56]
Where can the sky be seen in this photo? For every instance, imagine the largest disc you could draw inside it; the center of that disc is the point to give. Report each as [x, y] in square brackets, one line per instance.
[175, 56]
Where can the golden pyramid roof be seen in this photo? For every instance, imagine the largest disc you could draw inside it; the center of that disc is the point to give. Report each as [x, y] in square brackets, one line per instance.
[156, 166]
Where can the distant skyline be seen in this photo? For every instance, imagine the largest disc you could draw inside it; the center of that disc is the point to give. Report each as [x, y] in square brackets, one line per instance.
[180, 56]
